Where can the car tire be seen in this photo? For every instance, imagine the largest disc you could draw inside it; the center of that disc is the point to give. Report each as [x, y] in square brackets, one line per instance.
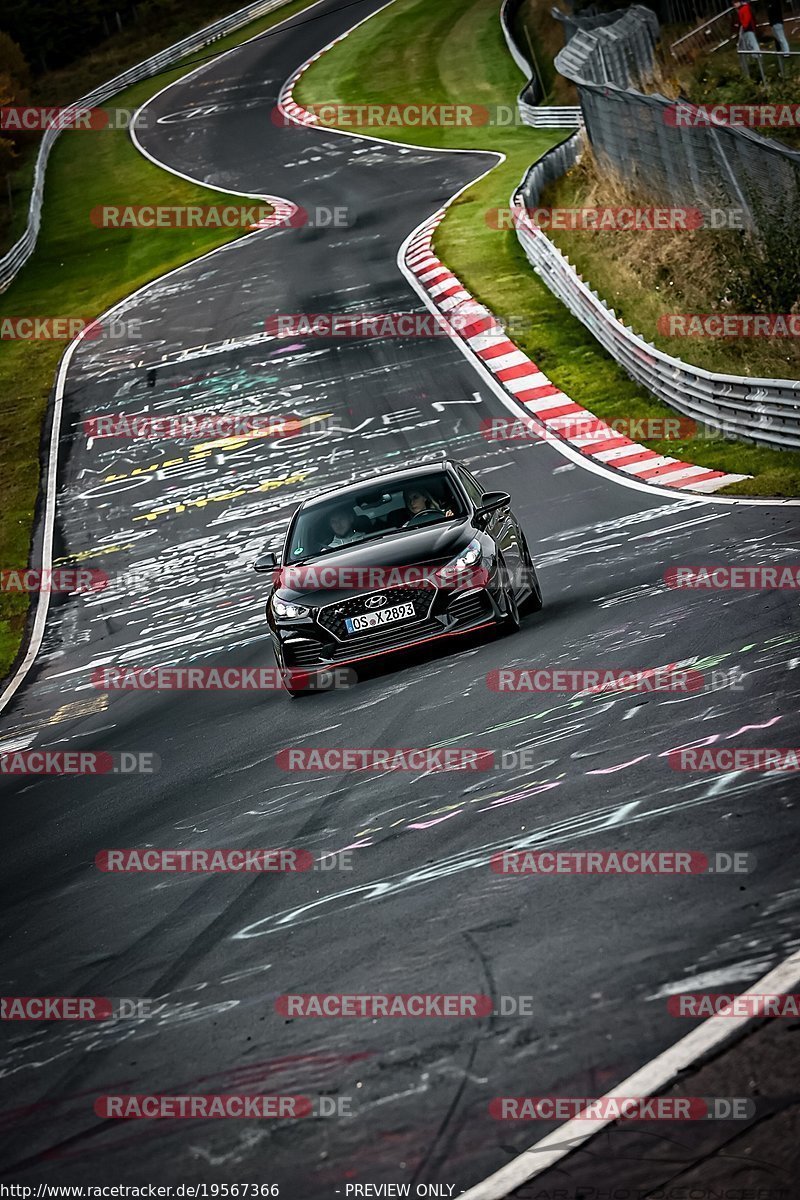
[533, 602]
[509, 623]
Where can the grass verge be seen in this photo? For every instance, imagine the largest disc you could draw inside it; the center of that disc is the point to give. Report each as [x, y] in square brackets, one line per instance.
[412, 53]
[654, 274]
[162, 27]
[80, 270]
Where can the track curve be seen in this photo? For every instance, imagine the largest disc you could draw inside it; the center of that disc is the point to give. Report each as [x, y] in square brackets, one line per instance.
[421, 910]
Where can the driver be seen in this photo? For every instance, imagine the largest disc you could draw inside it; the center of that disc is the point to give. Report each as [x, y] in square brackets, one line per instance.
[342, 526]
[419, 501]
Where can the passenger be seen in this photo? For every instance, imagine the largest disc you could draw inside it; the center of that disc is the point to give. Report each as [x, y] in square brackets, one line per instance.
[419, 501]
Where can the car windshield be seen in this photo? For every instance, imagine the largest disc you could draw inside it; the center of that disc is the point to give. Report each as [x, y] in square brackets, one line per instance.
[378, 511]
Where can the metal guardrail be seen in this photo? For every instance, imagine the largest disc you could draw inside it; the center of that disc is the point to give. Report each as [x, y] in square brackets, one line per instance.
[766, 411]
[12, 262]
[619, 52]
[713, 164]
[508, 11]
[565, 116]
[529, 106]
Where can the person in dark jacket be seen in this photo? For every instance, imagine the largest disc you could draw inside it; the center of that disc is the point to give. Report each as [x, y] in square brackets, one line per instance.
[775, 18]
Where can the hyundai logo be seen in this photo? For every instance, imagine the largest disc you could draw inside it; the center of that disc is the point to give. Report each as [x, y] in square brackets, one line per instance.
[375, 601]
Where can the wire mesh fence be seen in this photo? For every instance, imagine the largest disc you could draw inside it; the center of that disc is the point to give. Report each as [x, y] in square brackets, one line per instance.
[704, 165]
[672, 151]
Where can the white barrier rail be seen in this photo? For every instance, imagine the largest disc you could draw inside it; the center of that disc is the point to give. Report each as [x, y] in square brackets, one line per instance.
[555, 117]
[766, 411]
[12, 262]
[531, 113]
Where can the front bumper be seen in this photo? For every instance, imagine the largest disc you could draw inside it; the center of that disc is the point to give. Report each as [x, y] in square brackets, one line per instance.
[441, 613]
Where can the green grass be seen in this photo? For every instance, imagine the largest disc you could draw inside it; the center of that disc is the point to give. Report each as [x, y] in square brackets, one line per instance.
[160, 26]
[412, 53]
[653, 274]
[80, 270]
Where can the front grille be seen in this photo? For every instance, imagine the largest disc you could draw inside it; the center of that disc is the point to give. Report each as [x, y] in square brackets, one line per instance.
[387, 638]
[316, 654]
[332, 617]
[470, 607]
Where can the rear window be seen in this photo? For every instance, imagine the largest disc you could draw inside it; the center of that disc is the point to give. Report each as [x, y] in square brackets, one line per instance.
[378, 511]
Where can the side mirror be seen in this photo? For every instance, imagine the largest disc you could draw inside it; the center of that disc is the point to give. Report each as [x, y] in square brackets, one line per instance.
[491, 501]
[268, 561]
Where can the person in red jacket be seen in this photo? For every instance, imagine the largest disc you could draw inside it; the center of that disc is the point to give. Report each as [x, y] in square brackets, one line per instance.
[748, 38]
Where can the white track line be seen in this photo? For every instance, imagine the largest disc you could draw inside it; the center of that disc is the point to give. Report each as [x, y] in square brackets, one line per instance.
[48, 524]
[285, 98]
[649, 1079]
[520, 410]
[563, 448]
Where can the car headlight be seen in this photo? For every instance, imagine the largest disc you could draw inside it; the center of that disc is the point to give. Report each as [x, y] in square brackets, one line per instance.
[282, 608]
[469, 557]
[462, 567]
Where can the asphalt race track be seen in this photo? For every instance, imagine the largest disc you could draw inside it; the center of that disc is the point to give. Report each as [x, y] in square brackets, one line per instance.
[177, 526]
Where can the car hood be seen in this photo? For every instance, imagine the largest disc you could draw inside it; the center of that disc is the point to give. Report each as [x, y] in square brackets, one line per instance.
[344, 573]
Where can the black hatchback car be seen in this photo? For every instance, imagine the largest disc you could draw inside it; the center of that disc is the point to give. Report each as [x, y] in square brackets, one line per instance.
[392, 562]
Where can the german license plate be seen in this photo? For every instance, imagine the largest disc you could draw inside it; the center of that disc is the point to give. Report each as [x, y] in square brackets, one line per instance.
[371, 620]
